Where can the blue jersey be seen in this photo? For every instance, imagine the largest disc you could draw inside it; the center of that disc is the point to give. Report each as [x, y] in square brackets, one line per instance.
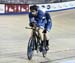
[42, 20]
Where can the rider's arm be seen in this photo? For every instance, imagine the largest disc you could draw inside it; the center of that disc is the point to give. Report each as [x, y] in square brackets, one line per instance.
[49, 21]
[31, 20]
[40, 17]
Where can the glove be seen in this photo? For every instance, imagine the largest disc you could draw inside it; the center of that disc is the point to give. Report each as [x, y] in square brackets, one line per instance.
[31, 24]
[45, 31]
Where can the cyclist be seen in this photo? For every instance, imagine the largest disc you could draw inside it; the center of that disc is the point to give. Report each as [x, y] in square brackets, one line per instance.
[42, 20]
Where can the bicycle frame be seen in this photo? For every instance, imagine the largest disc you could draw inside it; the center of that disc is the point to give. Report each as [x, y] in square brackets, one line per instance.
[35, 33]
[36, 37]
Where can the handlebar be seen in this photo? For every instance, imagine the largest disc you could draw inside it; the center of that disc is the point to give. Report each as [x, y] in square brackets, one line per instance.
[28, 28]
[37, 28]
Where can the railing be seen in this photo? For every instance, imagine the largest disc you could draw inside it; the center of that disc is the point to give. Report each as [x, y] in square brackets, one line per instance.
[24, 8]
[32, 1]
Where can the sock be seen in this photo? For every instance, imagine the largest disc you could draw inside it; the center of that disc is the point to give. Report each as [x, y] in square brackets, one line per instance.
[47, 42]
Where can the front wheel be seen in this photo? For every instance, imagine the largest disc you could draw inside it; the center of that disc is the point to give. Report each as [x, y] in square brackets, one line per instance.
[30, 48]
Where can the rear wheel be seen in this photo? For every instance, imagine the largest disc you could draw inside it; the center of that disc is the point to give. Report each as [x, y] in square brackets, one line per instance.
[38, 45]
[44, 52]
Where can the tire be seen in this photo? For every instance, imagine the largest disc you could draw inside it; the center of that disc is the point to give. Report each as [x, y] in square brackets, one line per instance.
[38, 45]
[30, 48]
[44, 52]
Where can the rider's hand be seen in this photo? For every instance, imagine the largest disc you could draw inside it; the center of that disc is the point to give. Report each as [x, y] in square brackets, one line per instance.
[30, 24]
[33, 25]
[44, 31]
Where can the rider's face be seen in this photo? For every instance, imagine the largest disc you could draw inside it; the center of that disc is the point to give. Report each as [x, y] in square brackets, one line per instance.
[34, 12]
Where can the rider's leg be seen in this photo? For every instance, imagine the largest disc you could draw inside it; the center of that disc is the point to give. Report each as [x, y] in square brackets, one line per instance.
[41, 44]
[45, 39]
[40, 34]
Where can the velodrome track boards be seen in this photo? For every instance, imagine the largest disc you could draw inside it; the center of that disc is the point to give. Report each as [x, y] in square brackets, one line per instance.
[14, 38]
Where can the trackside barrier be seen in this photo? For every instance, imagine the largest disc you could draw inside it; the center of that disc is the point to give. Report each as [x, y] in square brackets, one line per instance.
[57, 6]
[13, 9]
[2, 8]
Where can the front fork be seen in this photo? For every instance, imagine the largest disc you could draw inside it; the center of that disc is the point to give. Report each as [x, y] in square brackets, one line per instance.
[37, 37]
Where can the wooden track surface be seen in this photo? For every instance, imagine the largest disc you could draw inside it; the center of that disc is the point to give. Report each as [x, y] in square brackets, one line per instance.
[14, 38]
